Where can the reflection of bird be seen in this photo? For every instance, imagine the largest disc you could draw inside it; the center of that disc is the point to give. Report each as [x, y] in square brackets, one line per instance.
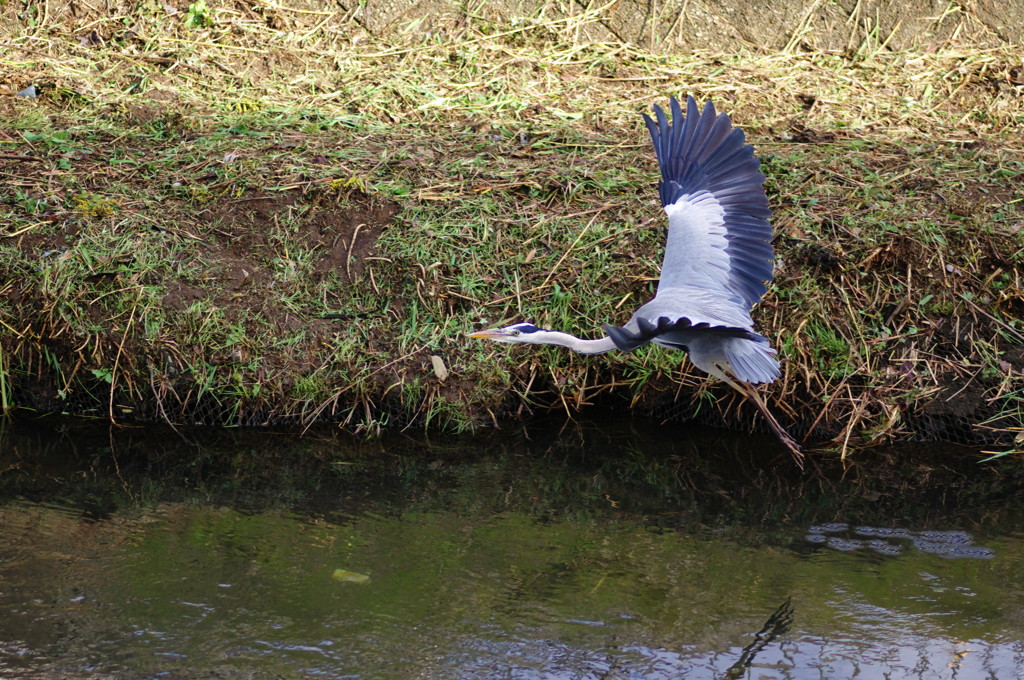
[717, 260]
[777, 624]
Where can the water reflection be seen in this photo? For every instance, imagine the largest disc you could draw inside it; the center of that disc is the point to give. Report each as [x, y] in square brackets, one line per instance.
[622, 551]
[893, 540]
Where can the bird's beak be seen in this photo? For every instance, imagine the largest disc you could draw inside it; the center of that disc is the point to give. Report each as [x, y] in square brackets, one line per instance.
[490, 334]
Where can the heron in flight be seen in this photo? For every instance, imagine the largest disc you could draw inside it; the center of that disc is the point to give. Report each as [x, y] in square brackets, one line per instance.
[718, 259]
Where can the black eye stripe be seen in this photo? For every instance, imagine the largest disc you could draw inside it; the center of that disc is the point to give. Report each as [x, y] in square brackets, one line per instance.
[526, 328]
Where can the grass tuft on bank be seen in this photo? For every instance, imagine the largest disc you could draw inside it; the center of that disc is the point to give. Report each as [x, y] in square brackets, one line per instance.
[247, 216]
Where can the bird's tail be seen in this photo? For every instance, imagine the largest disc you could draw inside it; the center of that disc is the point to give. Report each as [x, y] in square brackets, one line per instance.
[751, 361]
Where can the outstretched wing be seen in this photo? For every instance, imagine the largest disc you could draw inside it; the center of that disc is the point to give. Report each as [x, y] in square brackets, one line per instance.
[719, 238]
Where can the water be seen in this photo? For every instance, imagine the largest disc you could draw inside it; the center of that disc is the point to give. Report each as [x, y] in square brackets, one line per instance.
[596, 551]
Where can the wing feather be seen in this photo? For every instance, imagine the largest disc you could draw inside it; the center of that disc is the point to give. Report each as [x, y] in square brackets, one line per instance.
[711, 187]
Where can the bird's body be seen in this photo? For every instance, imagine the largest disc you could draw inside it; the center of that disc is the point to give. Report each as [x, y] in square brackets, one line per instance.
[718, 259]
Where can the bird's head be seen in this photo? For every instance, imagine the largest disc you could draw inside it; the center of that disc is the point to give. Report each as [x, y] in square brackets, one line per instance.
[516, 333]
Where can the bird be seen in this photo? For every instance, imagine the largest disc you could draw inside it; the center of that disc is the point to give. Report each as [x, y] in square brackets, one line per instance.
[717, 263]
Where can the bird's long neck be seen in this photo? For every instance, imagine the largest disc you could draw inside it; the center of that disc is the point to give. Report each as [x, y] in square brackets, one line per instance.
[580, 345]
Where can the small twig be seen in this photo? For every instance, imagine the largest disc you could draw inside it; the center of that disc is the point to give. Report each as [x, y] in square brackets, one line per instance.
[1010, 329]
[22, 230]
[120, 351]
[348, 257]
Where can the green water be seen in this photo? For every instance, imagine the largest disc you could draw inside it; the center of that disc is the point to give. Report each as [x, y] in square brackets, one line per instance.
[583, 550]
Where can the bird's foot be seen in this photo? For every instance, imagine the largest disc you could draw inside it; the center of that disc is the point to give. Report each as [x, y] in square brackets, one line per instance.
[751, 393]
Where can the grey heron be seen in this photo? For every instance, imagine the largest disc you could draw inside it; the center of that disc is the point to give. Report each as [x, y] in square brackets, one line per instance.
[718, 259]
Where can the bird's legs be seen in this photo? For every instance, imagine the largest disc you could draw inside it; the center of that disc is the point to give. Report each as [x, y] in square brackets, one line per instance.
[751, 393]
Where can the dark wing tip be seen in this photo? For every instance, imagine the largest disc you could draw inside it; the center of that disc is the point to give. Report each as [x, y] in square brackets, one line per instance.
[624, 339]
[627, 340]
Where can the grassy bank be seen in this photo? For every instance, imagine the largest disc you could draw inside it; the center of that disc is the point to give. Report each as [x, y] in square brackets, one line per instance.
[229, 217]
